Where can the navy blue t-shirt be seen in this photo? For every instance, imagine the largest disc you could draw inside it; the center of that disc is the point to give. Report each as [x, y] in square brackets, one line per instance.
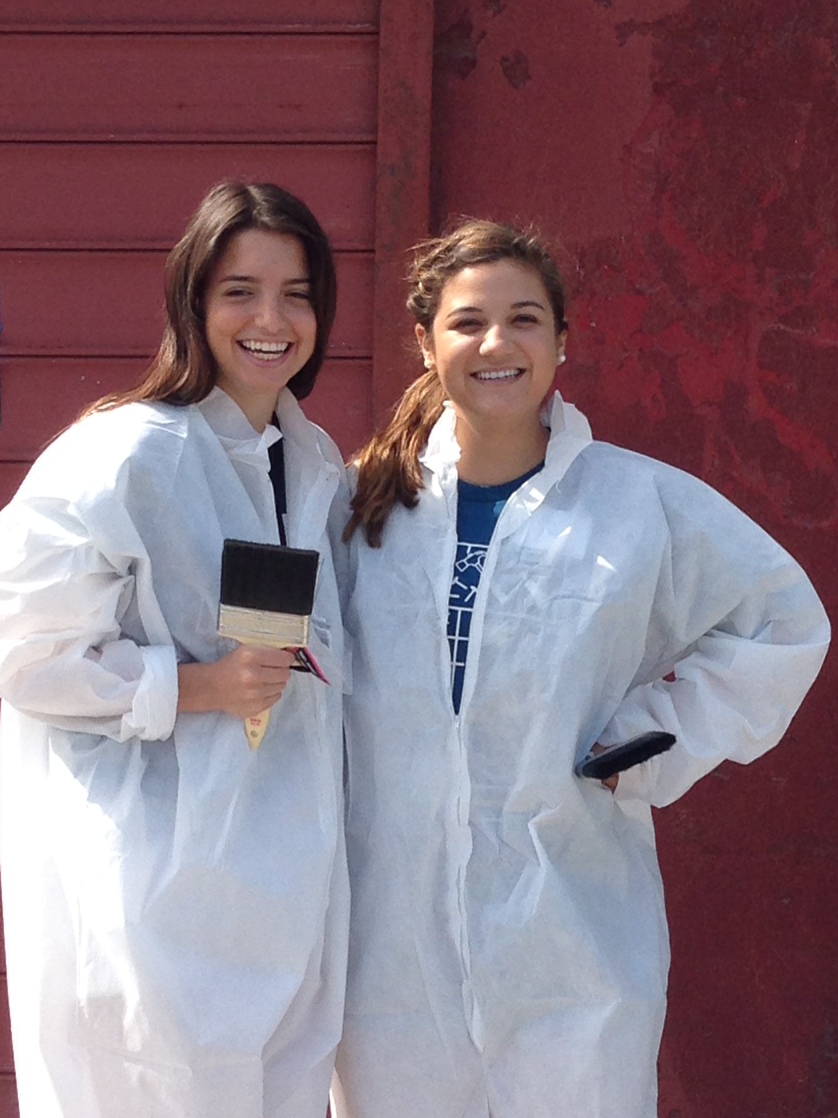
[478, 509]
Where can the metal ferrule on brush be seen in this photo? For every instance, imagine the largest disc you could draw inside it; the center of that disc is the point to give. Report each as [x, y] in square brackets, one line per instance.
[263, 627]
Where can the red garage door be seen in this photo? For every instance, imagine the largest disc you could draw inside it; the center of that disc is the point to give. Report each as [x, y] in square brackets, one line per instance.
[111, 129]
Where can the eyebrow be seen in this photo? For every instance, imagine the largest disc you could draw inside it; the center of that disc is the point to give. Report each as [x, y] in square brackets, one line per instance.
[513, 306]
[234, 278]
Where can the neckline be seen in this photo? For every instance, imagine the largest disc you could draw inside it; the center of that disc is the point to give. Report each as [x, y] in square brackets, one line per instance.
[472, 492]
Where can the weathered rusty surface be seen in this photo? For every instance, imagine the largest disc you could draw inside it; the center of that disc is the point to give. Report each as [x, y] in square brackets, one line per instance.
[724, 288]
[684, 154]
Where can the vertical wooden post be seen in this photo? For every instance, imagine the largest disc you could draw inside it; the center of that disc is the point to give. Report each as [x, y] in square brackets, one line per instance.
[402, 211]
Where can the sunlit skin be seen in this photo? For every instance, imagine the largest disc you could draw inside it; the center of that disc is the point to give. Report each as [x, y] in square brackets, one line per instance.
[260, 324]
[495, 347]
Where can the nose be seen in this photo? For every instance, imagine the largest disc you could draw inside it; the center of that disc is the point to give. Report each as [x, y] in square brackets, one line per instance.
[495, 340]
[270, 315]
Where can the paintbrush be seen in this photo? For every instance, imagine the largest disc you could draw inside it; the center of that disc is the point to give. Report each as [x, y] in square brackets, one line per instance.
[267, 594]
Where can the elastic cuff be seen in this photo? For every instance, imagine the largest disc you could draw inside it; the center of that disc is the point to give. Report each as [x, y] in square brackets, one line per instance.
[153, 711]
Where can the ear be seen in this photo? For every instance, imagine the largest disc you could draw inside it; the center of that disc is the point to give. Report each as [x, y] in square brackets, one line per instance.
[561, 340]
[424, 341]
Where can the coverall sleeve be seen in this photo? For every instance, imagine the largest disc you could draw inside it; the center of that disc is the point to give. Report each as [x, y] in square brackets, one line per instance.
[744, 633]
[63, 656]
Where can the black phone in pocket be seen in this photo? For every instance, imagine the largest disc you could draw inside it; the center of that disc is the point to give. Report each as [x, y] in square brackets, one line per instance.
[617, 758]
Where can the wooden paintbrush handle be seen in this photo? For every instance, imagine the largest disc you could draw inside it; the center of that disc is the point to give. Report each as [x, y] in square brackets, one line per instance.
[255, 728]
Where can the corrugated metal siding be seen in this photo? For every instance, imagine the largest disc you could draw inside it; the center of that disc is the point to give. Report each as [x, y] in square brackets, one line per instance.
[113, 124]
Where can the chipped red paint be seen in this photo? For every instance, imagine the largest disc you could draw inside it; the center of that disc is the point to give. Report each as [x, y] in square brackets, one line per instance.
[732, 180]
[686, 156]
[456, 47]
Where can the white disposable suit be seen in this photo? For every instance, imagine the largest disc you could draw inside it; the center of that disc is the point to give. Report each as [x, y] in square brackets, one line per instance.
[175, 903]
[508, 946]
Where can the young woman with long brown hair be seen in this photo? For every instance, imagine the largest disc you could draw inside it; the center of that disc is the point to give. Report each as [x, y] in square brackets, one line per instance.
[523, 595]
[176, 903]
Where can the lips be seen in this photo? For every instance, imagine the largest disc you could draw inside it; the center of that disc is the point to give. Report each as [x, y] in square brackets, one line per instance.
[497, 374]
[264, 351]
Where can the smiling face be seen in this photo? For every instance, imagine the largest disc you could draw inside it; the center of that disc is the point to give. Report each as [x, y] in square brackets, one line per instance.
[493, 343]
[260, 324]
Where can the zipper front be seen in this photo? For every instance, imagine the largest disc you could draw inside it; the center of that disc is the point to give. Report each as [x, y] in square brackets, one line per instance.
[471, 1005]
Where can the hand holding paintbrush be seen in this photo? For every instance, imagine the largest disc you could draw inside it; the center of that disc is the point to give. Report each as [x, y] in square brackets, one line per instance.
[267, 594]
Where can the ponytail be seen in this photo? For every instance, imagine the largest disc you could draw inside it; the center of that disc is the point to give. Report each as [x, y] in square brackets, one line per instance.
[389, 472]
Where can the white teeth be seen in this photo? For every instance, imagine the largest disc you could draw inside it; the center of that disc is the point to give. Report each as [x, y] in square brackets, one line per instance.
[265, 349]
[497, 374]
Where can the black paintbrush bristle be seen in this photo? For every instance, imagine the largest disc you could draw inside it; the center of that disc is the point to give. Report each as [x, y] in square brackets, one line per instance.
[268, 577]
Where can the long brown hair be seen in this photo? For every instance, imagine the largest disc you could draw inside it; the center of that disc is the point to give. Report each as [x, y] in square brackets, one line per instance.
[389, 472]
[184, 370]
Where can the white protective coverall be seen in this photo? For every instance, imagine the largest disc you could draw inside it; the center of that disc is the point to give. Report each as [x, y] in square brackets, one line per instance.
[508, 944]
[175, 904]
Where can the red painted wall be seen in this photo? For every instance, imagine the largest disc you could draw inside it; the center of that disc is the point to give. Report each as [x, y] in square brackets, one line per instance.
[112, 127]
[684, 152]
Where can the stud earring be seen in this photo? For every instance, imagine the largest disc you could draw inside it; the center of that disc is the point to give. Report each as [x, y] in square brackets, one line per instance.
[561, 360]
